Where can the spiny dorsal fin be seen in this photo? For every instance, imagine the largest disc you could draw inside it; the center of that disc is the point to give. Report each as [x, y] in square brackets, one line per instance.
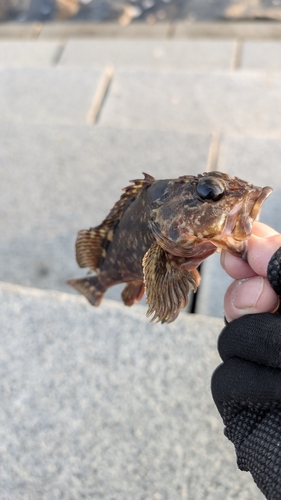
[130, 193]
[91, 244]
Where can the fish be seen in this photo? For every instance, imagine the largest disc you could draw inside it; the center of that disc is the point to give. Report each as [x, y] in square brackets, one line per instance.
[159, 232]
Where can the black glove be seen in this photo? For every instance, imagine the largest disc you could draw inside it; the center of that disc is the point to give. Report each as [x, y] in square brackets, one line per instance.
[247, 391]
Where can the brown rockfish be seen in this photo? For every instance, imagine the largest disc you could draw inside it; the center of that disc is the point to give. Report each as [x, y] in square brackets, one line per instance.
[158, 233]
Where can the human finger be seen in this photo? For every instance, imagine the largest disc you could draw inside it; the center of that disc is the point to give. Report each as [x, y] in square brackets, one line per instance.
[260, 251]
[235, 267]
[249, 296]
[263, 230]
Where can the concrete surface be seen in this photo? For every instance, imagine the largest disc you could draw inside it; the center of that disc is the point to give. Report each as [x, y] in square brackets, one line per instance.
[26, 53]
[229, 102]
[161, 54]
[46, 95]
[101, 404]
[261, 30]
[263, 55]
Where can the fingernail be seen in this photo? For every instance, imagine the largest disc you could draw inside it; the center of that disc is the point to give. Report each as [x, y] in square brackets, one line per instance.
[247, 293]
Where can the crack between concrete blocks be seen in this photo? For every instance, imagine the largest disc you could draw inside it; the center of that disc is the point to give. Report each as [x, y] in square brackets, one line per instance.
[171, 31]
[212, 163]
[237, 53]
[58, 53]
[100, 96]
[36, 29]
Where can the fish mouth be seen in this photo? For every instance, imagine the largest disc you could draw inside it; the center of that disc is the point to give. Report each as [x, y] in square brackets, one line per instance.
[265, 193]
[239, 223]
[240, 220]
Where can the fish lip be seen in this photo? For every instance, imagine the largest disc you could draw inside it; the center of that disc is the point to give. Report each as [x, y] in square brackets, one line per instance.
[265, 193]
[240, 220]
[238, 228]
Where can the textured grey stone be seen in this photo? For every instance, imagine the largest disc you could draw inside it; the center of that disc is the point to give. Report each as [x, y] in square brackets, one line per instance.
[104, 30]
[221, 29]
[256, 160]
[47, 95]
[102, 404]
[262, 55]
[214, 283]
[18, 30]
[202, 102]
[188, 54]
[58, 180]
[28, 53]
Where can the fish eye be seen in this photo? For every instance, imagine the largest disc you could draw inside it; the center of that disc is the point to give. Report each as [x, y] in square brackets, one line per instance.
[210, 189]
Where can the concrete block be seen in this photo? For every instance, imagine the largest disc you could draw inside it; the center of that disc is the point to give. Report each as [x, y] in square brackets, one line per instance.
[57, 180]
[214, 283]
[28, 53]
[18, 30]
[221, 29]
[198, 102]
[47, 95]
[102, 404]
[188, 54]
[101, 30]
[256, 160]
[261, 55]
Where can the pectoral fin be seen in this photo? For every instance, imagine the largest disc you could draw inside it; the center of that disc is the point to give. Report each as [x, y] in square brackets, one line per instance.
[166, 284]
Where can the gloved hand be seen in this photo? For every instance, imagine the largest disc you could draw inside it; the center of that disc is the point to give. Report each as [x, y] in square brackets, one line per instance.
[247, 386]
[247, 391]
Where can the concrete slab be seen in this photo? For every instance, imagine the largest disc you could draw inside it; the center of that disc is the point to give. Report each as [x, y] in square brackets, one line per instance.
[28, 53]
[18, 30]
[199, 102]
[256, 159]
[214, 283]
[181, 29]
[47, 95]
[261, 55]
[188, 54]
[102, 404]
[58, 180]
[222, 29]
[76, 29]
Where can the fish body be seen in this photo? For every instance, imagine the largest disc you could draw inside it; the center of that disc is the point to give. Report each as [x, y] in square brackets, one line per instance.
[159, 232]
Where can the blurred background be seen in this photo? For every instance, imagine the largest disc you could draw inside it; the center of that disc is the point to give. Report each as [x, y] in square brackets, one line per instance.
[126, 12]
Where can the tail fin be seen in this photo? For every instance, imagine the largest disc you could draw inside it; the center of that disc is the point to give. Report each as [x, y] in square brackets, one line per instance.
[90, 287]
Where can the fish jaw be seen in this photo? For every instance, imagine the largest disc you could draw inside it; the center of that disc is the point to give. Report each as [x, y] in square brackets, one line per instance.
[238, 227]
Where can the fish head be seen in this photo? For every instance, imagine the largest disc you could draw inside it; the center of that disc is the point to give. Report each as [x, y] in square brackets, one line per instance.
[198, 214]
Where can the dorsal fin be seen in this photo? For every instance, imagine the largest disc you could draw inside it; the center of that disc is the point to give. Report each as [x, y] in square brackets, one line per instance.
[91, 244]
